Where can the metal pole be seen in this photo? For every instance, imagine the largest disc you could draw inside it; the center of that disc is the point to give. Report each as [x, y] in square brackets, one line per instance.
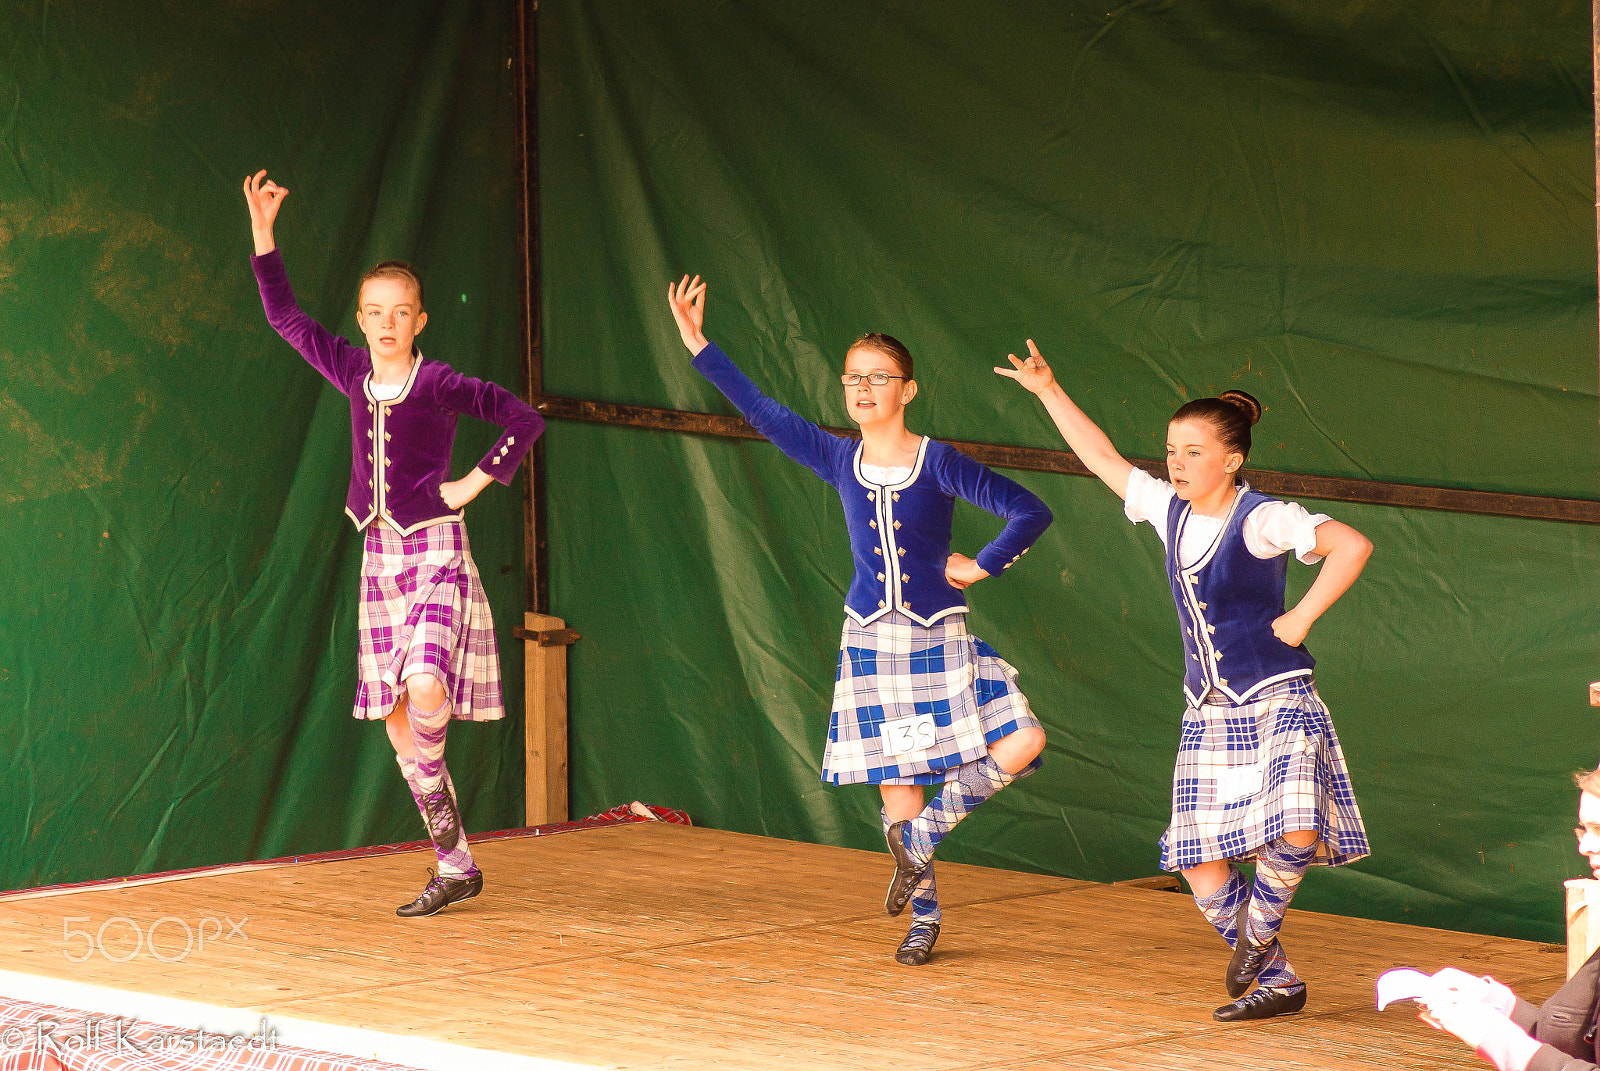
[535, 549]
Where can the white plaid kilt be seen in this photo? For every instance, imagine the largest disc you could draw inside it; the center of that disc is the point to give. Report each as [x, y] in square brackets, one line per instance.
[1247, 774]
[895, 668]
[423, 610]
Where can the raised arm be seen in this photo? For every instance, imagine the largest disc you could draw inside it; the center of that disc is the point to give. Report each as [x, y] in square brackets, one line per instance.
[798, 438]
[1083, 435]
[337, 360]
[1345, 552]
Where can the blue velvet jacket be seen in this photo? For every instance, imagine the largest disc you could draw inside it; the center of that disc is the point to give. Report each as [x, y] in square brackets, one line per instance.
[1227, 602]
[899, 533]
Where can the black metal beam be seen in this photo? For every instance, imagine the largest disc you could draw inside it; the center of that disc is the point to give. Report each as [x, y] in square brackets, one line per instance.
[1034, 459]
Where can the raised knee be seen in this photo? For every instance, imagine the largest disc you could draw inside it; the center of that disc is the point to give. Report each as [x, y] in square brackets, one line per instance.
[1301, 838]
[1030, 741]
[424, 692]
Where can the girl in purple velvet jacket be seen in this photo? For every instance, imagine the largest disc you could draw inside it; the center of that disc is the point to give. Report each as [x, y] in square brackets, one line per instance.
[1260, 773]
[917, 700]
[428, 650]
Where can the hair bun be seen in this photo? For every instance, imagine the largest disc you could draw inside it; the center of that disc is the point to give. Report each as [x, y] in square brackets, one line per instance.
[1243, 401]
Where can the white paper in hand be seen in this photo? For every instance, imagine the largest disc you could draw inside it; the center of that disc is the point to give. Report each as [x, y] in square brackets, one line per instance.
[1406, 983]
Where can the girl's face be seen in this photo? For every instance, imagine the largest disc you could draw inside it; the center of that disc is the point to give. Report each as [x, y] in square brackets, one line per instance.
[870, 404]
[1197, 463]
[389, 313]
[1589, 830]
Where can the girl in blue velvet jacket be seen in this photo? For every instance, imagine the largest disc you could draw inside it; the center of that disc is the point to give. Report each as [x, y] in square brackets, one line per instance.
[918, 700]
[1260, 774]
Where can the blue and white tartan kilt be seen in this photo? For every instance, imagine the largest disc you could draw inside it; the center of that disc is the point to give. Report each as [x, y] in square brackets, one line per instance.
[895, 668]
[1247, 774]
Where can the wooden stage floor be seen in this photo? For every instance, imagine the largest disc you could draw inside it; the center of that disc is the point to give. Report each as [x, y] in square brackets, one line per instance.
[655, 946]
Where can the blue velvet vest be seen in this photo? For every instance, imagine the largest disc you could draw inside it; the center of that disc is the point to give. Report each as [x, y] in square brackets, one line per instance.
[1227, 601]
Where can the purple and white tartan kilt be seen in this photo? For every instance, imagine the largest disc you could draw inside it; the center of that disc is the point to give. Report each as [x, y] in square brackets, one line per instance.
[423, 610]
[895, 668]
[1247, 774]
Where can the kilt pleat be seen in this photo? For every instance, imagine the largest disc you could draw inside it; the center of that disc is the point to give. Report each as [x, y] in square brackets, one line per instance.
[1247, 774]
[423, 610]
[895, 668]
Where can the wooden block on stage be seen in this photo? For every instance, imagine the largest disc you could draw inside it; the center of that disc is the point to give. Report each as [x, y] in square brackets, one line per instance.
[1583, 922]
[546, 730]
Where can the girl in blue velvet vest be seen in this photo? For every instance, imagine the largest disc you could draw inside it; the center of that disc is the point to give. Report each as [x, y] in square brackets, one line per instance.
[917, 700]
[1260, 773]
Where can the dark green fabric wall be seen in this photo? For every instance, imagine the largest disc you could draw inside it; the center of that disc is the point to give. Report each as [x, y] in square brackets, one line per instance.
[177, 629]
[1379, 220]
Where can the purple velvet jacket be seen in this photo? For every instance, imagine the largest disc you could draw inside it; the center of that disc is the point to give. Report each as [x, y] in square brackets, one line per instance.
[407, 439]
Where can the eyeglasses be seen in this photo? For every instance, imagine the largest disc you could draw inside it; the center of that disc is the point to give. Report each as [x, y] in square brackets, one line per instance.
[877, 379]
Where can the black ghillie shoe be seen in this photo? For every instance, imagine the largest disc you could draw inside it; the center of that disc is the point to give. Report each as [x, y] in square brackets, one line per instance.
[1247, 958]
[1264, 1003]
[916, 949]
[440, 894]
[906, 872]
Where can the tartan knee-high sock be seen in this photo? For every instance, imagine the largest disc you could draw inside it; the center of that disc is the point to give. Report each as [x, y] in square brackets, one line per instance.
[454, 859]
[428, 728]
[1221, 909]
[925, 896]
[1276, 973]
[1279, 868]
[973, 783]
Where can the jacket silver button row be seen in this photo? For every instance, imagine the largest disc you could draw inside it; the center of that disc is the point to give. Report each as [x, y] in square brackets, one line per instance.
[905, 578]
[905, 605]
[897, 526]
[511, 440]
[872, 496]
[901, 551]
[369, 407]
[896, 495]
[872, 524]
[880, 576]
[387, 410]
[878, 551]
[881, 604]
[387, 436]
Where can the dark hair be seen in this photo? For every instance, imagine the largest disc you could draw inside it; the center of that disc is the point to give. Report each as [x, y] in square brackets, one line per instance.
[890, 347]
[1230, 416]
[394, 269]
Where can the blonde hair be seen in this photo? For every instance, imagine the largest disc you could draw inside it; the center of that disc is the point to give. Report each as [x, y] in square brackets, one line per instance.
[1587, 781]
[394, 269]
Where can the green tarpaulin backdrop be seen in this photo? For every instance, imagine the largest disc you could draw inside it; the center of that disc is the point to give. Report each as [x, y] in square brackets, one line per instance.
[1377, 220]
[178, 632]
